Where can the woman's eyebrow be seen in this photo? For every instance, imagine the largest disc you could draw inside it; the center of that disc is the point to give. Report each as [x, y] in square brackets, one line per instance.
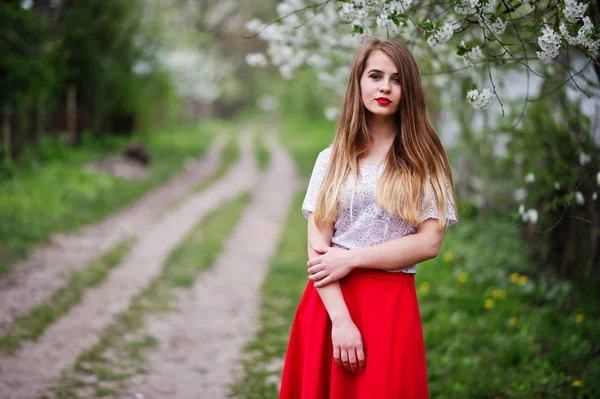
[378, 71]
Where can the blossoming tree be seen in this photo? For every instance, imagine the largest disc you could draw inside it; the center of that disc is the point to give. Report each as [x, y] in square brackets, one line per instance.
[554, 43]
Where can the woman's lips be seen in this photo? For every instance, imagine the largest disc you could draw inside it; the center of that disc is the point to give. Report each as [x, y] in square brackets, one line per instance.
[383, 101]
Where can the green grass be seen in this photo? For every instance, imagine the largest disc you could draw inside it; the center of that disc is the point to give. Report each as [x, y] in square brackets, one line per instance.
[537, 336]
[261, 152]
[53, 193]
[119, 355]
[231, 154]
[32, 325]
[304, 139]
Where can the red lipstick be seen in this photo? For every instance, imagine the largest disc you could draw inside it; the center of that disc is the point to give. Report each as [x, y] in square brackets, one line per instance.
[383, 100]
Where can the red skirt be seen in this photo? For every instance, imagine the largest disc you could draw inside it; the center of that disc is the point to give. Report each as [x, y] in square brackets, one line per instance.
[384, 307]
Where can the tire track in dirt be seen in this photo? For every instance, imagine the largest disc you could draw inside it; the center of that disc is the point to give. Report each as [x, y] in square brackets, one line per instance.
[34, 369]
[48, 267]
[201, 345]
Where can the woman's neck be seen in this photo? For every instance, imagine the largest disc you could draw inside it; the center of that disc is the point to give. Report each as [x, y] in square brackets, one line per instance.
[383, 129]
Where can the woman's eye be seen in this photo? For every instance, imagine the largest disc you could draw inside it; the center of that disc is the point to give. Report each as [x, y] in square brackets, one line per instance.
[396, 80]
[375, 76]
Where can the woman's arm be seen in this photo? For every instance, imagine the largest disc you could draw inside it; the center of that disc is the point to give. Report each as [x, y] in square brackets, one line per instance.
[335, 263]
[404, 251]
[348, 350]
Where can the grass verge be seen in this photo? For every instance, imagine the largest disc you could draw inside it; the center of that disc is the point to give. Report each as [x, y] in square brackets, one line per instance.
[105, 369]
[54, 193]
[32, 325]
[231, 154]
[262, 153]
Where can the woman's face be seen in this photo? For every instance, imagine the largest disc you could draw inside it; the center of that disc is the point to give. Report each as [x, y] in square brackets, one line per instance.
[380, 85]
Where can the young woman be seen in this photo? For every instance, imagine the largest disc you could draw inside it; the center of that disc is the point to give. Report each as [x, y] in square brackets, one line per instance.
[378, 202]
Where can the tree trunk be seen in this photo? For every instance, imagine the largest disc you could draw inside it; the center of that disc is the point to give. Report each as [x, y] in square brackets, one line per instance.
[40, 116]
[72, 114]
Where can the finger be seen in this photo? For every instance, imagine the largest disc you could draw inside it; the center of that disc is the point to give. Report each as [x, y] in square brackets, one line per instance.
[337, 356]
[314, 261]
[345, 359]
[352, 359]
[360, 355]
[323, 282]
[318, 276]
[314, 269]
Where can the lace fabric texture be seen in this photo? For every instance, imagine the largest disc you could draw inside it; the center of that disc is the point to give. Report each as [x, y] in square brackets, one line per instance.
[361, 222]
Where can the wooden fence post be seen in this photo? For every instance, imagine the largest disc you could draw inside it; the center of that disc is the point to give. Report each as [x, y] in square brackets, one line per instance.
[6, 134]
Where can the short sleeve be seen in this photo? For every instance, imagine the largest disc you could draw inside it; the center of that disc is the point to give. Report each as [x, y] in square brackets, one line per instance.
[314, 185]
[433, 212]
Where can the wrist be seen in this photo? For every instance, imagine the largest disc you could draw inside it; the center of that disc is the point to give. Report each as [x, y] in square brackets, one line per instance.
[341, 318]
[356, 258]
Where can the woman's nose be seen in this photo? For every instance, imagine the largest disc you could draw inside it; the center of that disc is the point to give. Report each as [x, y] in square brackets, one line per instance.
[385, 87]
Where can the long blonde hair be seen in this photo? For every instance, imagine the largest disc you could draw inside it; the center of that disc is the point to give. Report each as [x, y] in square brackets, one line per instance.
[416, 153]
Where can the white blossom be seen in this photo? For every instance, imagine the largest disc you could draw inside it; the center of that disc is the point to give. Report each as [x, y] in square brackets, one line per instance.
[27, 4]
[497, 27]
[332, 113]
[521, 209]
[584, 158]
[573, 10]
[254, 25]
[530, 177]
[579, 198]
[462, 9]
[530, 216]
[520, 194]
[556, 185]
[549, 43]
[441, 35]
[256, 59]
[598, 178]
[584, 35]
[479, 100]
[473, 55]
[595, 196]
[468, 7]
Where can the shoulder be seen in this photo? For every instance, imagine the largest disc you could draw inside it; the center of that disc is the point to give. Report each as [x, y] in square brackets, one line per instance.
[324, 155]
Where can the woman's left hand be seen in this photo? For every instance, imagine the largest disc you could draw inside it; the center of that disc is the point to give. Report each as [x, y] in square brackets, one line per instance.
[332, 265]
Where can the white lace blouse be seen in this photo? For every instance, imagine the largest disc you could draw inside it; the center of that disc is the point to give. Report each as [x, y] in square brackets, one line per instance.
[361, 222]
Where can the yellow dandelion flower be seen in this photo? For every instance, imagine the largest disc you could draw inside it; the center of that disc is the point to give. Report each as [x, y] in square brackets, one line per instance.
[512, 321]
[448, 256]
[499, 294]
[489, 303]
[522, 280]
[463, 277]
[424, 286]
[579, 318]
[577, 383]
[514, 277]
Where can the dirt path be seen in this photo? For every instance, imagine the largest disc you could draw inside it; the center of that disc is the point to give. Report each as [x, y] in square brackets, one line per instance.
[39, 363]
[47, 268]
[200, 346]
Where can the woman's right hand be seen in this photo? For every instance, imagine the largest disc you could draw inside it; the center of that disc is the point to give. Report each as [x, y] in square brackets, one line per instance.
[348, 347]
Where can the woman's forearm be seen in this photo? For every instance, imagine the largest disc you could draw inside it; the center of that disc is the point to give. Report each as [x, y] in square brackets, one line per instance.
[400, 252]
[334, 302]
[331, 294]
